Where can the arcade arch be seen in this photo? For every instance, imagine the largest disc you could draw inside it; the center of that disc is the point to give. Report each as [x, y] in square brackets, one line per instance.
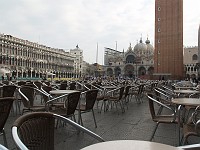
[129, 71]
[109, 72]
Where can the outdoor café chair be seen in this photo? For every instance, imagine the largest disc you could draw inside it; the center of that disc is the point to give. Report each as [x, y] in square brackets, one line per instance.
[63, 86]
[72, 86]
[69, 106]
[5, 107]
[90, 99]
[126, 95]
[169, 118]
[3, 147]
[36, 130]
[192, 127]
[9, 91]
[137, 92]
[115, 97]
[38, 84]
[28, 99]
[100, 96]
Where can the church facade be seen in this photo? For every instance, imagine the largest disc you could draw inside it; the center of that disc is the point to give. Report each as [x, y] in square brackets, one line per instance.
[135, 62]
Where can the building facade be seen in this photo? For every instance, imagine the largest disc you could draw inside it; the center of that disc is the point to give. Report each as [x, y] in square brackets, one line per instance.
[135, 62]
[190, 61]
[199, 44]
[78, 62]
[168, 56]
[85, 67]
[28, 59]
[198, 64]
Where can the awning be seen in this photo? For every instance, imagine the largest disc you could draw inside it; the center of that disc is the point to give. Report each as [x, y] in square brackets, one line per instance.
[50, 74]
[4, 71]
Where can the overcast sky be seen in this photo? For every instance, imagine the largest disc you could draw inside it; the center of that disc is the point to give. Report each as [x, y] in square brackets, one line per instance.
[110, 23]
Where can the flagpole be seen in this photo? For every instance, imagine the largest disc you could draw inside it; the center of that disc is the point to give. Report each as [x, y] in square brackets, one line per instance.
[116, 45]
[97, 54]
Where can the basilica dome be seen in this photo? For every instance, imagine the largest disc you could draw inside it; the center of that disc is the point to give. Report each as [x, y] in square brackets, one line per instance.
[143, 49]
[140, 47]
[150, 48]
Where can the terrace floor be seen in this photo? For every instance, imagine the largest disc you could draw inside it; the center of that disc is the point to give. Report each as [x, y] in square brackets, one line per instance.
[134, 124]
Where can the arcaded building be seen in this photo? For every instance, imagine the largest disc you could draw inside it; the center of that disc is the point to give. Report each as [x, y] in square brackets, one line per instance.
[168, 56]
[136, 61]
[190, 62]
[199, 44]
[27, 59]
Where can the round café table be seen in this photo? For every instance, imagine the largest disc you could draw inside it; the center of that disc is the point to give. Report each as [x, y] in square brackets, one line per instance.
[185, 87]
[186, 101]
[110, 87]
[186, 91]
[60, 92]
[130, 145]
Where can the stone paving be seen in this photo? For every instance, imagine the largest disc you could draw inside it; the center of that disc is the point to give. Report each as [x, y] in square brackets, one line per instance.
[134, 124]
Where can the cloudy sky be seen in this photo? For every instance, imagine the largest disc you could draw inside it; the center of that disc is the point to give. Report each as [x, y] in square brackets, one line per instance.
[110, 23]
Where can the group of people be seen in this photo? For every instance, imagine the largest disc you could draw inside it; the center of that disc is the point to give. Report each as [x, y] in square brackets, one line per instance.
[8, 77]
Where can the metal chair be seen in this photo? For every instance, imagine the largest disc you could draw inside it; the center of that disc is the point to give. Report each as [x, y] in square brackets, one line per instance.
[126, 95]
[36, 130]
[69, 105]
[63, 86]
[192, 127]
[9, 91]
[28, 96]
[160, 118]
[3, 147]
[72, 86]
[90, 99]
[100, 96]
[38, 84]
[20, 83]
[137, 91]
[5, 107]
[116, 98]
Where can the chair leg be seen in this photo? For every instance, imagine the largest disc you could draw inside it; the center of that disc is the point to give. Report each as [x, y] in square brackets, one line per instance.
[56, 124]
[97, 105]
[122, 106]
[137, 99]
[116, 107]
[160, 110]
[187, 114]
[154, 131]
[103, 104]
[4, 138]
[99, 111]
[12, 110]
[94, 118]
[80, 120]
[74, 118]
[19, 106]
[185, 139]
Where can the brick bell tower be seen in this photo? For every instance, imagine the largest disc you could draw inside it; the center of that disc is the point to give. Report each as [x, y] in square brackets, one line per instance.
[168, 55]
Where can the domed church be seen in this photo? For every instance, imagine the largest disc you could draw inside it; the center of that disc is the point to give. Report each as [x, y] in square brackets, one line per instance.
[135, 62]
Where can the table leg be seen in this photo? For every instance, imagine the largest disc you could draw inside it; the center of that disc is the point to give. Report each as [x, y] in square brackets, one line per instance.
[179, 124]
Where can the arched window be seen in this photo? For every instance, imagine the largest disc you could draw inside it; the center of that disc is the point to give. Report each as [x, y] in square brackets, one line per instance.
[130, 59]
[194, 57]
[192, 68]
